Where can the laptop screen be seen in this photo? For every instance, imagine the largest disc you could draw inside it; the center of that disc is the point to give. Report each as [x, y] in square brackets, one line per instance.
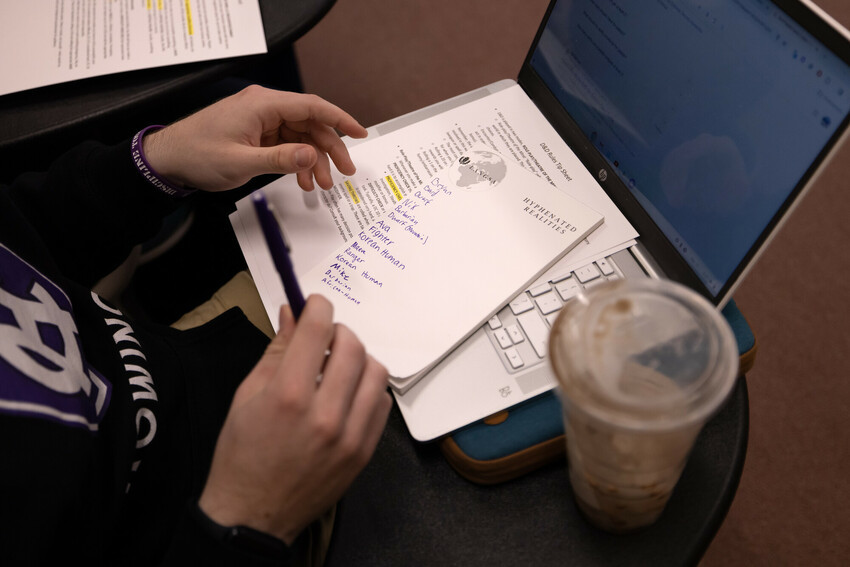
[711, 113]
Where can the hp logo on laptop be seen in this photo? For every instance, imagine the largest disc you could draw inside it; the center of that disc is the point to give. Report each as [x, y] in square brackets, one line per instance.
[603, 175]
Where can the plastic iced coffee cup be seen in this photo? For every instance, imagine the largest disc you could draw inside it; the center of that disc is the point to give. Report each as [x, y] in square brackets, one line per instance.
[641, 366]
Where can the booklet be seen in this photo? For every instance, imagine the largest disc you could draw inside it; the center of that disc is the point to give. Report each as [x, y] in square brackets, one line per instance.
[393, 163]
[53, 41]
[443, 260]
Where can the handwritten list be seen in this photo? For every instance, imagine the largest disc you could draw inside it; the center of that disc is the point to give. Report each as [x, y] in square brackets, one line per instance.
[378, 246]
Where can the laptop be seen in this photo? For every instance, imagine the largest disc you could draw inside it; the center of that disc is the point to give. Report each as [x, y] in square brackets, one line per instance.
[703, 122]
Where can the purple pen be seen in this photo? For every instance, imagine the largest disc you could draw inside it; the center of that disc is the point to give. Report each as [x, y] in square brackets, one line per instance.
[279, 252]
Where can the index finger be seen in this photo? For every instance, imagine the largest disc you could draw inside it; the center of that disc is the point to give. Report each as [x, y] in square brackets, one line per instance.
[298, 107]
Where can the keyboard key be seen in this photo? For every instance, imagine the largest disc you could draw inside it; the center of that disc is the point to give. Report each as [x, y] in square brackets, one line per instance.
[561, 277]
[587, 273]
[536, 331]
[550, 318]
[515, 334]
[548, 303]
[521, 304]
[494, 322]
[568, 289]
[605, 267]
[514, 359]
[503, 338]
[539, 289]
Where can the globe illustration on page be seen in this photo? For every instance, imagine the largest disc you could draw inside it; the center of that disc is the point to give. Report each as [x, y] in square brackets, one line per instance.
[478, 170]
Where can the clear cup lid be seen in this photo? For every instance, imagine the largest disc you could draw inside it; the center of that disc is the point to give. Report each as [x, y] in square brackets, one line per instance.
[646, 353]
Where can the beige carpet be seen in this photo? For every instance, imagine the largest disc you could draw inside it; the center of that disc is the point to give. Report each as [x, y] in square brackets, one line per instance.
[379, 59]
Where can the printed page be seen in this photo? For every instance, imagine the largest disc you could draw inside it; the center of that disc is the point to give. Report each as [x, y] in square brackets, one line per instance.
[392, 166]
[425, 275]
[53, 41]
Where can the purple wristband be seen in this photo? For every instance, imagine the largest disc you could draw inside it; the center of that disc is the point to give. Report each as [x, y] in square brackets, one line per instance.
[150, 173]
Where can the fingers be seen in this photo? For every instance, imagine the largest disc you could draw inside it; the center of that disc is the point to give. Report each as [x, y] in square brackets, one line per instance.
[256, 131]
[370, 406]
[304, 161]
[352, 398]
[268, 365]
[326, 144]
[311, 339]
[342, 371]
[312, 120]
[322, 171]
[295, 107]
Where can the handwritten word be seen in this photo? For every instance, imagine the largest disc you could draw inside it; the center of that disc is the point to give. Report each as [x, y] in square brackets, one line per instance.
[407, 220]
[396, 219]
[378, 233]
[420, 236]
[374, 244]
[369, 278]
[340, 291]
[340, 270]
[338, 281]
[407, 204]
[368, 241]
[343, 260]
[393, 260]
[435, 187]
[352, 257]
[425, 200]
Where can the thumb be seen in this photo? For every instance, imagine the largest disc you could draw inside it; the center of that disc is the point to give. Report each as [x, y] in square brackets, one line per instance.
[286, 328]
[291, 158]
[268, 364]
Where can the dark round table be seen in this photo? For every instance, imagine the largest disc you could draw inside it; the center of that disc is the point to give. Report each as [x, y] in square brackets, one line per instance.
[409, 507]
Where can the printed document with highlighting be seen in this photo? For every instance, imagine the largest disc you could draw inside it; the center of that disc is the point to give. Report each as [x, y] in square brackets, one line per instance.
[425, 275]
[47, 42]
[393, 166]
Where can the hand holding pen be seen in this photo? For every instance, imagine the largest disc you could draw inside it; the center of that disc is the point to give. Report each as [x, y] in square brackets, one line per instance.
[290, 447]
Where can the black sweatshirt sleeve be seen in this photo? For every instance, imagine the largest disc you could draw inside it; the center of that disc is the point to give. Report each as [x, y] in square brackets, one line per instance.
[197, 541]
[91, 207]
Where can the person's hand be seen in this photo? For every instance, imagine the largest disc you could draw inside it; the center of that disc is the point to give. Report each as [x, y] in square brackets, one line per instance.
[290, 445]
[254, 132]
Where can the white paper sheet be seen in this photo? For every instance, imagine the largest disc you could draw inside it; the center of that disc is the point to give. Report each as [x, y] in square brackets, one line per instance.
[45, 42]
[424, 276]
[392, 165]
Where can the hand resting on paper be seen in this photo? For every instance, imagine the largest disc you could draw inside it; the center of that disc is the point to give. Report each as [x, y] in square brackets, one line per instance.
[289, 447]
[256, 131]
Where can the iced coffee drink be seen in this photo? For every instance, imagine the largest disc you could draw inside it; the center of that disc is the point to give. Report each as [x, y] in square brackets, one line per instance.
[641, 367]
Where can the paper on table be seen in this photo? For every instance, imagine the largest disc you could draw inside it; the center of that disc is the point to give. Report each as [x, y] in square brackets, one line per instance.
[420, 279]
[53, 41]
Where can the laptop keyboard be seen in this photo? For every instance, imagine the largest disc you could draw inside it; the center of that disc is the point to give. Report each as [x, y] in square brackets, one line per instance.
[520, 331]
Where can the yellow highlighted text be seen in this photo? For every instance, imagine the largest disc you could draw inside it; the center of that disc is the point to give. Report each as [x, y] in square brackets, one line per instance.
[394, 187]
[189, 24]
[354, 196]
